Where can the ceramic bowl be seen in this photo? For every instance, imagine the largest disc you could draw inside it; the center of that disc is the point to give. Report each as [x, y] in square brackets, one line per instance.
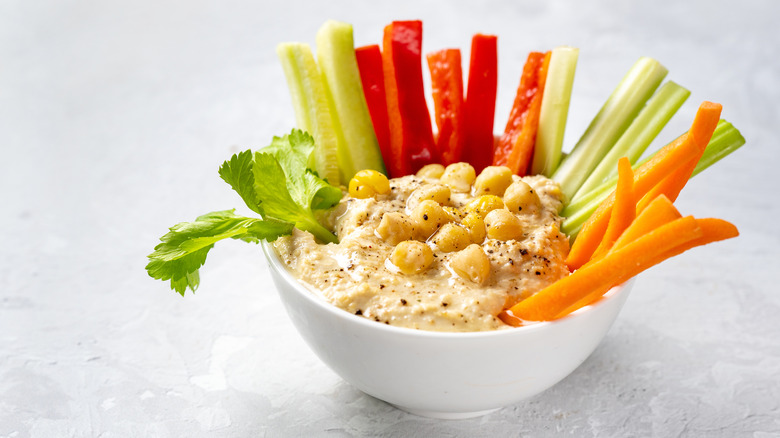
[444, 375]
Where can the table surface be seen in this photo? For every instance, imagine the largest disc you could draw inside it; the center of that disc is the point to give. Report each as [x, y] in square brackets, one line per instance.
[115, 116]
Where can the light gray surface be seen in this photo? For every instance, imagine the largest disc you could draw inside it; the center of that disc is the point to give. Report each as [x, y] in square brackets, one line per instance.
[113, 121]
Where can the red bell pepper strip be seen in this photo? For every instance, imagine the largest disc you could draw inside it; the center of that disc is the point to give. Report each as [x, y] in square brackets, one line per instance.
[411, 135]
[369, 59]
[479, 107]
[516, 146]
[447, 87]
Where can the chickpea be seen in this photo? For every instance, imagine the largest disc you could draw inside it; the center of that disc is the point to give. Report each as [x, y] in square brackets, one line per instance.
[368, 183]
[431, 171]
[459, 176]
[476, 226]
[484, 205]
[454, 214]
[452, 237]
[394, 228]
[503, 225]
[436, 192]
[412, 257]
[471, 264]
[428, 217]
[520, 197]
[493, 181]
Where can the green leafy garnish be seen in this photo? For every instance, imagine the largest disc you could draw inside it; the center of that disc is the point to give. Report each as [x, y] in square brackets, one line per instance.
[275, 183]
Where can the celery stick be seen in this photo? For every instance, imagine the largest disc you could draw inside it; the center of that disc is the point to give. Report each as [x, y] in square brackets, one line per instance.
[310, 101]
[725, 140]
[642, 131]
[609, 124]
[554, 111]
[358, 146]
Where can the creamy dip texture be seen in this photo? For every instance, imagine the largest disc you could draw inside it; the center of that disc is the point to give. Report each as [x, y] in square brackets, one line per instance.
[491, 240]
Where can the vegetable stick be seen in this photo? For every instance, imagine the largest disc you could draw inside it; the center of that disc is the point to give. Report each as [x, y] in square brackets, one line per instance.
[725, 140]
[554, 110]
[658, 212]
[643, 129]
[411, 134]
[592, 231]
[358, 147]
[447, 88]
[369, 59]
[713, 230]
[479, 105]
[516, 145]
[624, 211]
[613, 269]
[664, 162]
[610, 123]
[312, 110]
[675, 181]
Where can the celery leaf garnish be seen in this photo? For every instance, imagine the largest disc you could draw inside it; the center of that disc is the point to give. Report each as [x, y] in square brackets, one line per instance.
[275, 183]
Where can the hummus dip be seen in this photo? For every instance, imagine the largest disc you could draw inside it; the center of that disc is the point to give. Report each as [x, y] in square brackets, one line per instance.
[442, 250]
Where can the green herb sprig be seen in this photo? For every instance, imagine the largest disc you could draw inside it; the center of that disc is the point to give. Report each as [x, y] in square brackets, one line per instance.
[275, 182]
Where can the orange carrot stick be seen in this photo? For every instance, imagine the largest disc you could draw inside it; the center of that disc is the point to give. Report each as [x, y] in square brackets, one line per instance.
[665, 161]
[613, 269]
[713, 230]
[672, 185]
[624, 211]
[659, 212]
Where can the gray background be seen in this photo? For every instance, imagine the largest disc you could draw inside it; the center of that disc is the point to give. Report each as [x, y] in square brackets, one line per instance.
[114, 117]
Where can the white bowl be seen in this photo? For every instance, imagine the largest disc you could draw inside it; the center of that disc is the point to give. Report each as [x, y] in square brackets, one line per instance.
[444, 375]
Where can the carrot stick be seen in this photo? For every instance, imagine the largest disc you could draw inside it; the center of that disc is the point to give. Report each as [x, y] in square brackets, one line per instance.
[657, 213]
[624, 211]
[713, 230]
[672, 185]
[664, 162]
[613, 269]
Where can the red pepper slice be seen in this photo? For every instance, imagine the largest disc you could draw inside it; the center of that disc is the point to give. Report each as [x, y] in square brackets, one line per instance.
[447, 87]
[516, 146]
[411, 135]
[369, 59]
[479, 107]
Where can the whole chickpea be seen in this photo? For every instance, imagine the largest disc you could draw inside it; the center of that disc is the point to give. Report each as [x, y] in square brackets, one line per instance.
[493, 181]
[520, 197]
[459, 176]
[412, 257]
[471, 264]
[502, 224]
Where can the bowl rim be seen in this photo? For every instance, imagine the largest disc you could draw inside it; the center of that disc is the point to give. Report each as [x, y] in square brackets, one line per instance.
[276, 264]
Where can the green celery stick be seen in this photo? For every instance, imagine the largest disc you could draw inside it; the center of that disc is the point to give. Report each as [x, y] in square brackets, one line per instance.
[725, 140]
[555, 110]
[312, 111]
[609, 124]
[642, 131]
[358, 146]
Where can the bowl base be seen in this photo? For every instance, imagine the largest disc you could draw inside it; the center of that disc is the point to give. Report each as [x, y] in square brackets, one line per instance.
[445, 415]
